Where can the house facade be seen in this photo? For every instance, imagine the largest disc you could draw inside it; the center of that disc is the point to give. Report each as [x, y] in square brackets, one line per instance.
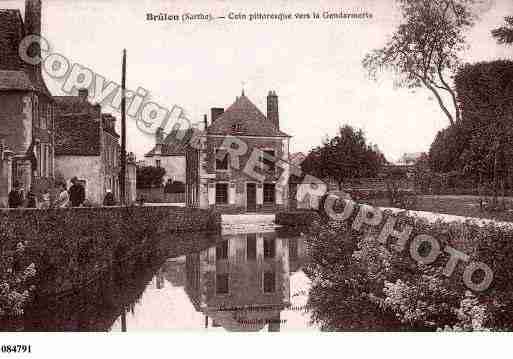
[87, 146]
[240, 163]
[169, 154]
[27, 109]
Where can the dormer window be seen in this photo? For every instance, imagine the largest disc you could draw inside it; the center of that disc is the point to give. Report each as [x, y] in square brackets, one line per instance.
[236, 127]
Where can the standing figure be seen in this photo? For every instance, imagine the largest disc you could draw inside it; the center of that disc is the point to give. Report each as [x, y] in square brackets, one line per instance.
[63, 197]
[45, 199]
[16, 196]
[76, 193]
[31, 198]
[109, 199]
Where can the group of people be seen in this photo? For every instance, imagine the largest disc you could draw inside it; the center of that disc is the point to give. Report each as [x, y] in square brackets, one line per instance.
[74, 197]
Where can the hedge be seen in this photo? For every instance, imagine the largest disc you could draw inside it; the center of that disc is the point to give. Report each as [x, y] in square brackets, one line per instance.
[70, 247]
[359, 283]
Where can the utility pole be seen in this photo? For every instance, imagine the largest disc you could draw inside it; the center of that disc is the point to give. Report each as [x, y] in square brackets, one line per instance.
[122, 176]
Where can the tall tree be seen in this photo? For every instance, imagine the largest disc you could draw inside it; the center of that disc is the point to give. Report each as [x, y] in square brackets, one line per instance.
[485, 97]
[344, 156]
[504, 34]
[424, 50]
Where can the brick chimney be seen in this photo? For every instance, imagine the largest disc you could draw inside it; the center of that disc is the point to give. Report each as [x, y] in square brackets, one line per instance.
[83, 93]
[33, 27]
[215, 112]
[159, 136]
[33, 17]
[272, 109]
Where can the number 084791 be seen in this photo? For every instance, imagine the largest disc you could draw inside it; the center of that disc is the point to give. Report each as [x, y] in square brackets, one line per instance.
[8, 348]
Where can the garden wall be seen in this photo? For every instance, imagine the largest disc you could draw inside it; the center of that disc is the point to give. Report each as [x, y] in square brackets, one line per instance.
[157, 195]
[71, 247]
[296, 218]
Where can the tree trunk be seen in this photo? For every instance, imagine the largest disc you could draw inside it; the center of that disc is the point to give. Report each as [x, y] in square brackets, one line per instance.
[440, 101]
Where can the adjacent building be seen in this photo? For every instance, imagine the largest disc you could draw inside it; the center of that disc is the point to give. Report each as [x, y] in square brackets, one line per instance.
[27, 109]
[240, 163]
[87, 146]
[169, 154]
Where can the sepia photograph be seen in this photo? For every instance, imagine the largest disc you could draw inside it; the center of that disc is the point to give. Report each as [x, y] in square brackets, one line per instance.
[302, 167]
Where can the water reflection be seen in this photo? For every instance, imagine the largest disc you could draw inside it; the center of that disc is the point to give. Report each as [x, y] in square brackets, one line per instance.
[245, 282]
[237, 282]
[242, 283]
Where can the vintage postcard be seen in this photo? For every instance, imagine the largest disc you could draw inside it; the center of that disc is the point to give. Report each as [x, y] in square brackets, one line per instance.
[247, 166]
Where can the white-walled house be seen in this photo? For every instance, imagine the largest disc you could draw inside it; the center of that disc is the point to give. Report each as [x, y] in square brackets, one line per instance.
[256, 183]
[169, 154]
[87, 147]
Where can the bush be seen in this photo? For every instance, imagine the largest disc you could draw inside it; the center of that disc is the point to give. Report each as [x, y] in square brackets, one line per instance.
[359, 283]
[174, 187]
[149, 176]
[15, 282]
[70, 246]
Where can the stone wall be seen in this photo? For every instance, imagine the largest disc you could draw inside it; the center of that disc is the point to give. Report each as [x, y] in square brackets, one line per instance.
[5, 173]
[157, 195]
[71, 247]
[298, 218]
[15, 116]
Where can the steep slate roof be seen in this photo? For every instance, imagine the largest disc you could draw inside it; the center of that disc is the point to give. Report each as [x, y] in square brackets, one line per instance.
[73, 104]
[251, 121]
[170, 149]
[175, 143]
[77, 134]
[112, 131]
[15, 80]
[77, 127]
[15, 74]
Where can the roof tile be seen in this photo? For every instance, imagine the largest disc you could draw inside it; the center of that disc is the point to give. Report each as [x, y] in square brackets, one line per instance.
[77, 134]
[243, 118]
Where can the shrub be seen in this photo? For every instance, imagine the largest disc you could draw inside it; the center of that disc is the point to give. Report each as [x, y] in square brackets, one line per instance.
[70, 246]
[149, 176]
[15, 282]
[174, 187]
[352, 272]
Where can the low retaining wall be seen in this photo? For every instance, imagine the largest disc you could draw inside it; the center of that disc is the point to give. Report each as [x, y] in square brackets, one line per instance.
[296, 218]
[71, 247]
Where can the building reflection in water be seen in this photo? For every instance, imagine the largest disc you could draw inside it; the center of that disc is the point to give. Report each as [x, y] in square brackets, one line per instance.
[243, 283]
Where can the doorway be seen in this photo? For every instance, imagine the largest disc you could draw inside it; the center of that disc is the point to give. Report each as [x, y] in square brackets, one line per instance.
[251, 197]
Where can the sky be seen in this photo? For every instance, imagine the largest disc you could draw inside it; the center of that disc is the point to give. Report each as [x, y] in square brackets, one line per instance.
[314, 66]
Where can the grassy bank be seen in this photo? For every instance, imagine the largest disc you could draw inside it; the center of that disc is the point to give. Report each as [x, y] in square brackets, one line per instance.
[466, 206]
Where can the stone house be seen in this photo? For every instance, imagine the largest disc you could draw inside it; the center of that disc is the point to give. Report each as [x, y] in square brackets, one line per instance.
[87, 146]
[27, 109]
[169, 154]
[241, 162]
